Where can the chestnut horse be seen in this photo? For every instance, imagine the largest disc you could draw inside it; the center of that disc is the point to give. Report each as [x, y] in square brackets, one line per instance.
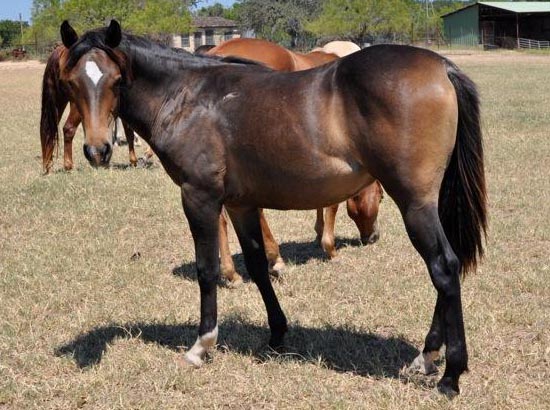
[55, 95]
[245, 137]
[363, 207]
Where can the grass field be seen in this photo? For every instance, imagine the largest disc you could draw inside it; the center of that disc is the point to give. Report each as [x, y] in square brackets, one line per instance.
[85, 325]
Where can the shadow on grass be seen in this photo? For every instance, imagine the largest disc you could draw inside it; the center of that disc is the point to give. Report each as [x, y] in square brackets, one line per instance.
[339, 348]
[118, 166]
[295, 253]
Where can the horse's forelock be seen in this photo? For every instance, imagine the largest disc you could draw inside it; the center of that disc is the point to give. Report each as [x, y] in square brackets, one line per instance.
[96, 39]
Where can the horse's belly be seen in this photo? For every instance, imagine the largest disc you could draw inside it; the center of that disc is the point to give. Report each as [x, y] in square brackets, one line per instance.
[297, 192]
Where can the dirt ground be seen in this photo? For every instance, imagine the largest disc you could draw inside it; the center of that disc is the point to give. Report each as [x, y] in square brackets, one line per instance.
[18, 65]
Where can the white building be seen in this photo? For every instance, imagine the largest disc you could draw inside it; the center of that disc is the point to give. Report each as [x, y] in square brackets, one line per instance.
[208, 31]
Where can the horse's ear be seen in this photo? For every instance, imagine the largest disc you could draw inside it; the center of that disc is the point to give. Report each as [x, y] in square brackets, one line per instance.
[114, 34]
[68, 35]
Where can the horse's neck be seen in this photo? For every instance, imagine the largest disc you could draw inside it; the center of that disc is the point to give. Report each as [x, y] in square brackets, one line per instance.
[155, 73]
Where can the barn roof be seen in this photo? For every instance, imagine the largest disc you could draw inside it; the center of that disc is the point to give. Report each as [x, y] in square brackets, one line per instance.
[519, 7]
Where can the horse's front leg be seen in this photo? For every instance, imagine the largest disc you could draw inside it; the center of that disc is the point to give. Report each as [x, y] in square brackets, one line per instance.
[202, 208]
[130, 137]
[69, 130]
[276, 262]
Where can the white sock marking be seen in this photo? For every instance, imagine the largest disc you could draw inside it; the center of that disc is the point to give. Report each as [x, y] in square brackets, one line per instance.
[424, 363]
[93, 71]
[201, 347]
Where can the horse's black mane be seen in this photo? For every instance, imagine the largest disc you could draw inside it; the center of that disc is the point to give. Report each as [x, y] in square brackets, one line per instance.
[156, 55]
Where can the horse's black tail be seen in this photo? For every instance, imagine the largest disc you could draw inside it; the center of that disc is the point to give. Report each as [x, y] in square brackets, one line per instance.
[53, 101]
[463, 197]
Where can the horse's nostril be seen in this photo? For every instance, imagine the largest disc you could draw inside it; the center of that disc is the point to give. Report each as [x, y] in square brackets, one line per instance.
[88, 152]
[106, 154]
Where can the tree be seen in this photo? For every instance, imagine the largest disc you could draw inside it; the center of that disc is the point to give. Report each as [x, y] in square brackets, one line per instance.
[280, 21]
[160, 17]
[10, 33]
[151, 17]
[215, 10]
[361, 20]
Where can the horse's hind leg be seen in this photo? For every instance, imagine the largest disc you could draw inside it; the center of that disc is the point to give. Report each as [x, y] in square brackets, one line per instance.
[426, 234]
[69, 130]
[130, 137]
[319, 225]
[424, 362]
[247, 225]
[363, 210]
[276, 263]
[202, 209]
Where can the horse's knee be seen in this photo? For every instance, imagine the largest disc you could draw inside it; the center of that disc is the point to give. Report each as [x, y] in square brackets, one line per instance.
[68, 132]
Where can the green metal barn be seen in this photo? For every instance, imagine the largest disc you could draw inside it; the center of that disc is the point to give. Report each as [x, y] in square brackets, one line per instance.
[523, 24]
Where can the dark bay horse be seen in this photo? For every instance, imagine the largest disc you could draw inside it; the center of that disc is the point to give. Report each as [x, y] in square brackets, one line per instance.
[363, 207]
[55, 95]
[248, 138]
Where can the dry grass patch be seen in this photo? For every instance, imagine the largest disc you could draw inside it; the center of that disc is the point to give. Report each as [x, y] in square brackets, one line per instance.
[84, 325]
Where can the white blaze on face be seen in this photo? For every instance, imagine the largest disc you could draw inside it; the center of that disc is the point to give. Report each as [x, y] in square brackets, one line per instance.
[93, 71]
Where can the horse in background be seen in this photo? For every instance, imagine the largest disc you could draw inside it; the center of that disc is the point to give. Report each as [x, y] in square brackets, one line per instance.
[363, 207]
[270, 54]
[55, 94]
[338, 47]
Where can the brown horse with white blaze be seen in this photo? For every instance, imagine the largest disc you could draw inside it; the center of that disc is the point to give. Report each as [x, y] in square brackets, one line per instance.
[248, 138]
[55, 94]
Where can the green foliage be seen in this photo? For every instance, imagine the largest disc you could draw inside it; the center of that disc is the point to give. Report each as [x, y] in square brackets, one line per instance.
[233, 12]
[360, 19]
[218, 10]
[281, 21]
[139, 16]
[215, 10]
[10, 33]
[160, 17]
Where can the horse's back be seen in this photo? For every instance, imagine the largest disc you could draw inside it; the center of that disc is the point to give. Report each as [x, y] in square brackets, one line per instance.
[340, 48]
[392, 67]
[270, 54]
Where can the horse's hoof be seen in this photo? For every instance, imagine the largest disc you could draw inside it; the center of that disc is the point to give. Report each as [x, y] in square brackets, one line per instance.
[277, 269]
[277, 338]
[190, 360]
[448, 387]
[141, 162]
[236, 282]
[277, 344]
[423, 364]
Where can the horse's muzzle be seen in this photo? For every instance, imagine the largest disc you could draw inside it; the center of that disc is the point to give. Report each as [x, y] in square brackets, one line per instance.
[98, 156]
